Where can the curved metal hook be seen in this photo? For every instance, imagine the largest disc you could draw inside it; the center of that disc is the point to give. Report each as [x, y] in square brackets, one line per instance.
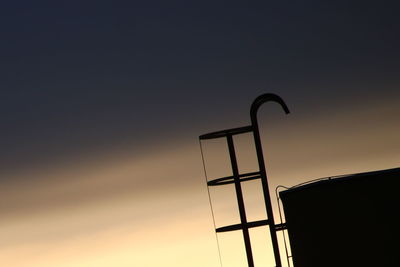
[261, 100]
[263, 173]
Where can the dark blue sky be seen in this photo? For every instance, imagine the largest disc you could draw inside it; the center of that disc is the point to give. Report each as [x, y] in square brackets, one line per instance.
[87, 77]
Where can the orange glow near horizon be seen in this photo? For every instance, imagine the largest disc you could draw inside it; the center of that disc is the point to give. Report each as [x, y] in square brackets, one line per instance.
[153, 210]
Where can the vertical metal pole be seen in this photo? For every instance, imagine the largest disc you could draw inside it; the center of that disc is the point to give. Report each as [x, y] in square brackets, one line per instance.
[260, 157]
[267, 198]
[239, 195]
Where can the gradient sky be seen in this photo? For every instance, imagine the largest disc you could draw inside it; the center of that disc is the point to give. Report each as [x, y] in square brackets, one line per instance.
[102, 103]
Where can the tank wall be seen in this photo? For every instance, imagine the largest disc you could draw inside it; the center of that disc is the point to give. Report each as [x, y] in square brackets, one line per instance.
[351, 221]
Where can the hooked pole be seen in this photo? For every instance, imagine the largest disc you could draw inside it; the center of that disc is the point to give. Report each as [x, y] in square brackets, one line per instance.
[263, 173]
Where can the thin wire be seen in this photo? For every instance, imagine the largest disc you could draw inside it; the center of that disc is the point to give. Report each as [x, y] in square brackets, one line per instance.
[280, 217]
[312, 181]
[209, 200]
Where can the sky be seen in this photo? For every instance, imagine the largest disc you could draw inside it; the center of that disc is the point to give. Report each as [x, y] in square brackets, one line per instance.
[102, 103]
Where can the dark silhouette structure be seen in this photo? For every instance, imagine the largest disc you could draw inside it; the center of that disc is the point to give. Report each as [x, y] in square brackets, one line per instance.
[346, 221]
[237, 178]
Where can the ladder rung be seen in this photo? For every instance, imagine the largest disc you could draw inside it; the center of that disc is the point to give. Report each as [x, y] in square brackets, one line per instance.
[235, 227]
[231, 179]
[227, 132]
[280, 227]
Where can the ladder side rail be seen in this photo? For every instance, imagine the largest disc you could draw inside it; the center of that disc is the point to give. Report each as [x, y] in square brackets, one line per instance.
[239, 195]
[260, 157]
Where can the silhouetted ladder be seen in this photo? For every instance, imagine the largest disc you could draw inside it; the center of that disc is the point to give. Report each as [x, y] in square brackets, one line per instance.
[237, 178]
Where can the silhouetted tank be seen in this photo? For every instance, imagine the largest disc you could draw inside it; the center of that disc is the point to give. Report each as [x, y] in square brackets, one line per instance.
[345, 221]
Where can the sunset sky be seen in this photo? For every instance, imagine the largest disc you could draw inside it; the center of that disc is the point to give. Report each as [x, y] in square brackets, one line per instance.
[102, 103]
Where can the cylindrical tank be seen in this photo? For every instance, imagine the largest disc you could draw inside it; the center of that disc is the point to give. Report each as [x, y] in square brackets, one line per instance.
[347, 221]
